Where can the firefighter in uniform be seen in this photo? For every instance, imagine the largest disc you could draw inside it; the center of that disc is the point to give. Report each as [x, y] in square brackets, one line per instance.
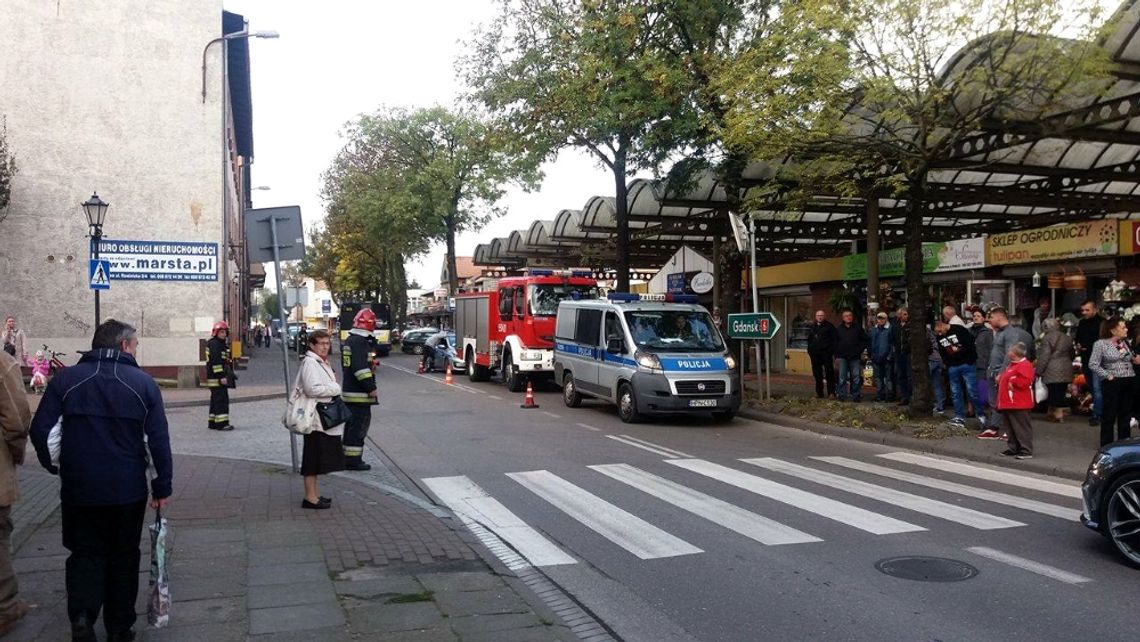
[358, 360]
[219, 376]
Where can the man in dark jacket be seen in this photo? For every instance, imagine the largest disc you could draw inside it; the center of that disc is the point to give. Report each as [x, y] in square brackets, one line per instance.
[1088, 332]
[219, 377]
[882, 357]
[850, 342]
[111, 414]
[956, 345]
[821, 350]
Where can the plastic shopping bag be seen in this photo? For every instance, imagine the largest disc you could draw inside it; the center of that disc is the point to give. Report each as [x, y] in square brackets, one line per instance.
[158, 603]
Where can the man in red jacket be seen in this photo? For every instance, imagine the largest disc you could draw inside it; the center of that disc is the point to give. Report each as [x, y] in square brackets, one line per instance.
[1015, 400]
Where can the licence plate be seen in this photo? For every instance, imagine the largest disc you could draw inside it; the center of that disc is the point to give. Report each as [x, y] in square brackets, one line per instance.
[702, 403]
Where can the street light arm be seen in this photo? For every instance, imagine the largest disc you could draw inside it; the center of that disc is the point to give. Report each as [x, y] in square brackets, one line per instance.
[237, 35]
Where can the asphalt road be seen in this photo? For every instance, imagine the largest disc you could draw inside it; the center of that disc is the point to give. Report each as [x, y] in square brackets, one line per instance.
[665, 532]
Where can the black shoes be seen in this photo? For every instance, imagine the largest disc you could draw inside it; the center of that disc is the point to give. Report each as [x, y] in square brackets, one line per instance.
[320, 505]
[125, 636]
[81, 631]
[357, 465]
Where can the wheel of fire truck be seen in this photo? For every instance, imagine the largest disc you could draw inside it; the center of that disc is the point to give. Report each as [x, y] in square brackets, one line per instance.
[514, 381]
[570, 392]
[475, 372]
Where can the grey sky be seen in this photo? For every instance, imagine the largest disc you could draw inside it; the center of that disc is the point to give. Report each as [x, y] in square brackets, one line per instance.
[340, 58]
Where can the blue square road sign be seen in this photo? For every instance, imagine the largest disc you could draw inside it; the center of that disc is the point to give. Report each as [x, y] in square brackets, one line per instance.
[99, 274]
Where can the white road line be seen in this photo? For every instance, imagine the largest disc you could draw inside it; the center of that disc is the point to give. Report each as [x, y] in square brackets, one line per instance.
[620, 527]
[495, 397]
[1043, 570]
[471, 502]
[829, 508]
[551, 415]
[460, 386]
[589, 427]
[1011, 479]
[962, 489]
[655, 451]
[932, 507]
[734, 518]
[675, 452]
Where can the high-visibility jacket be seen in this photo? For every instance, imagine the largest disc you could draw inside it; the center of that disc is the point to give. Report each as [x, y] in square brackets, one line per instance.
[217, 361]
[358, 362]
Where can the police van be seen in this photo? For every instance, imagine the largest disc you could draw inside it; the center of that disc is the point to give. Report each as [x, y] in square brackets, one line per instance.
[648, 354]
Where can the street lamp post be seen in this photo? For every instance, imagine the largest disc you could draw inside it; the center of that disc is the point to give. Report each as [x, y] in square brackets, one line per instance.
[96, 211]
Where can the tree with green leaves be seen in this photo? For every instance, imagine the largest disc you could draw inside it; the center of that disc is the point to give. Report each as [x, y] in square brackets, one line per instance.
[590, 75]
[869, 96]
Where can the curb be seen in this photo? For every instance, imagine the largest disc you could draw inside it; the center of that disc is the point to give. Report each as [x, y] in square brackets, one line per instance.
[190, 403]
[910, 443]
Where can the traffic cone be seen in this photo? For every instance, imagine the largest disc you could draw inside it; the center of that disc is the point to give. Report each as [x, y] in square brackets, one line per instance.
[447, 378]
[421, 370]
[529, 401]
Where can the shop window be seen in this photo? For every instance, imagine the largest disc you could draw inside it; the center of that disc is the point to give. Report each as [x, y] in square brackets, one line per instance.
[800, 317]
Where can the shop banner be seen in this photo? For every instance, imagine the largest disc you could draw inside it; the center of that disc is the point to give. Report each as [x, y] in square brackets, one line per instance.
[160, 260]
[1061, 242]
[1130, 237]
[966, 254]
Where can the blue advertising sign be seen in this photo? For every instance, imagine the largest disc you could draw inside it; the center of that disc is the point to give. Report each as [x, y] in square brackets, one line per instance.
[99, 275]
[326, 306]
[160, 260]
[675, 282]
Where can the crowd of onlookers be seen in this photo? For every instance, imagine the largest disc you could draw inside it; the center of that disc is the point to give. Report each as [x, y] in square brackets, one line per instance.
[990, 364]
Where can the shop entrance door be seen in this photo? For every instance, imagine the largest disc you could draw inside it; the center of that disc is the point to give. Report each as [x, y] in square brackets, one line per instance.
[990, 293]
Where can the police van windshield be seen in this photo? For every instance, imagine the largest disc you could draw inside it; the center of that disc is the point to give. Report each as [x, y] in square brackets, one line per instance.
[674, 331]
[544, 298]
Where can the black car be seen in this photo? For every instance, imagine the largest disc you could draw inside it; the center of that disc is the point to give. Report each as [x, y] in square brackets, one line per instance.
[1111, 495]
[413, 340]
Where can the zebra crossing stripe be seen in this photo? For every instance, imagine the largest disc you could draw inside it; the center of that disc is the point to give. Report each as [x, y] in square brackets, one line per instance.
[719, 512]
[932, 507]
[471, 502]
[978, 472]
[628, 531]
[822, 506]
[623, 439]
[675, 453]
[961, 489]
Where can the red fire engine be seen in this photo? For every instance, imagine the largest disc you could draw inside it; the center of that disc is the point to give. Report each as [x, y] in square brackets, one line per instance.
[511, 329]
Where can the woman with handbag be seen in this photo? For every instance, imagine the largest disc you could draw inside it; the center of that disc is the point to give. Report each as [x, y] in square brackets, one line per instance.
[323, 452]
[1112, 360]
[1055, 366]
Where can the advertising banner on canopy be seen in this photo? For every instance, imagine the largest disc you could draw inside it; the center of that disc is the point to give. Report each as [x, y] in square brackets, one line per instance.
[1057, 243]
[966, 254]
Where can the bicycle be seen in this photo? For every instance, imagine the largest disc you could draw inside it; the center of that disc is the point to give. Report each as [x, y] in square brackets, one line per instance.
[55, 365]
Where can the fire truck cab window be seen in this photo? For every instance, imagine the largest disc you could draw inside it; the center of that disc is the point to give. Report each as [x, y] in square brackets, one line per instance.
[520, 301]
[505, 303]
[589, 328]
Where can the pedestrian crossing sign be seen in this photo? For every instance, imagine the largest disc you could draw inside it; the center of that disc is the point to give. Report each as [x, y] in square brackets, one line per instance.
[99, 275]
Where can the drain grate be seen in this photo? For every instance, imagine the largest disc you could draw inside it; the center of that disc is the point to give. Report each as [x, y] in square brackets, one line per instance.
[926, 569]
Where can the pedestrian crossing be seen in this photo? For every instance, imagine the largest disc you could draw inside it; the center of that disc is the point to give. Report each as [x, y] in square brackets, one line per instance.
[819, 487]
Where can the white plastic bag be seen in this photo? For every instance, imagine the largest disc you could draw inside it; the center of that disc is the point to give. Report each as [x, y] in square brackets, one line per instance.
[158, 602]
[53, 441]
[1040, 390]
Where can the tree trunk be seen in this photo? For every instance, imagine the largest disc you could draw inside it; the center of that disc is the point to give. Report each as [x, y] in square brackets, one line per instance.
[621, 214]
[452, 276]
[921, 403]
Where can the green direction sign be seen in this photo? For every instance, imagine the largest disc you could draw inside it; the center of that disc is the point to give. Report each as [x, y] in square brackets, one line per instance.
[753, 325]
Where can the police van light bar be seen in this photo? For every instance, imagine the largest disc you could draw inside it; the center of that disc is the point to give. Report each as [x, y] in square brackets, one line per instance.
[563, 273]
[626, 297]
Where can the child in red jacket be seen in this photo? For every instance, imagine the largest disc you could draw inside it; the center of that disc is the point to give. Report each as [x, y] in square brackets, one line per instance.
[1015, 400]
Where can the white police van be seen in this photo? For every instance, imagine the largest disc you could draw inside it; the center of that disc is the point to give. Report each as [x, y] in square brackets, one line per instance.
[649, 354]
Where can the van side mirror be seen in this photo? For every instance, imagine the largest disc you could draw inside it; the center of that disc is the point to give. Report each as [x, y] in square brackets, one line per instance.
[615, 345]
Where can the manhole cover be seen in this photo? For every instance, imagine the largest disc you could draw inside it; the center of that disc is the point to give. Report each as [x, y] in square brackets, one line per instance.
[926, 569]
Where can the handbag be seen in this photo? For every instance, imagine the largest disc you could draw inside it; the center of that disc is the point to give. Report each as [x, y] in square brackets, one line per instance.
[1040, 390]
[333, 413]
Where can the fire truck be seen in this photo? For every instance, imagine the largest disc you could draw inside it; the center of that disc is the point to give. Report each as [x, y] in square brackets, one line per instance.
[511, 329]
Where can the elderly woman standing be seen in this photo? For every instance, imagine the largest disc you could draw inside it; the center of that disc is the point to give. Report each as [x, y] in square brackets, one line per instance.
[1055, 366]
[1112, 360]
[1015, 400]
[323, 452]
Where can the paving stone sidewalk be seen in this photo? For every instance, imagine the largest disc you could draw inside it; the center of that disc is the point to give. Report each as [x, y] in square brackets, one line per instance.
[248, 563]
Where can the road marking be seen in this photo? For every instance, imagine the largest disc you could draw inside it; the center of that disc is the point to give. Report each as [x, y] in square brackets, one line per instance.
[551, 415]
[495, 397]
[589, 427]
[829, 508]
[655, 451]
[471, 502]
[953, 487]
[1044, 570]
[1011, 479]
[474, 391]
[675, 452]
[734, 518]
[628, 531]
[932, 507]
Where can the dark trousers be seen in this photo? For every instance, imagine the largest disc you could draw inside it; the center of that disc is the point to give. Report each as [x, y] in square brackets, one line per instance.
[219, 416]
[103, 568]
[903, 375]
[1057, 394]
[1117, 409]
[1020, 430]
[823, 369]
[355, 431]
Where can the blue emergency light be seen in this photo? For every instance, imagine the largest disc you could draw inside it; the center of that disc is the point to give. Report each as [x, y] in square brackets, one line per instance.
[627, 297]
[585, 274]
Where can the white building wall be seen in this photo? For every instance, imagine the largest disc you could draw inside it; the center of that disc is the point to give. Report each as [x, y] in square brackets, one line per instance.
[685, 260]
[106, 96]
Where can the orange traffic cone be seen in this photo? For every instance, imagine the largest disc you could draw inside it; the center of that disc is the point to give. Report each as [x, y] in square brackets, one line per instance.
[529, 401]
[421, 370]
[448, 379]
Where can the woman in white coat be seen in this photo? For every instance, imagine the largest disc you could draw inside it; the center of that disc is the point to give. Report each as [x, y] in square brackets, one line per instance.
[323, 452]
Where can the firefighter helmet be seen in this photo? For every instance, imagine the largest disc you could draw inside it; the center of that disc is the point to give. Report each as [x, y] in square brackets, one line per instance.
[219, 326]
[365, 319]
